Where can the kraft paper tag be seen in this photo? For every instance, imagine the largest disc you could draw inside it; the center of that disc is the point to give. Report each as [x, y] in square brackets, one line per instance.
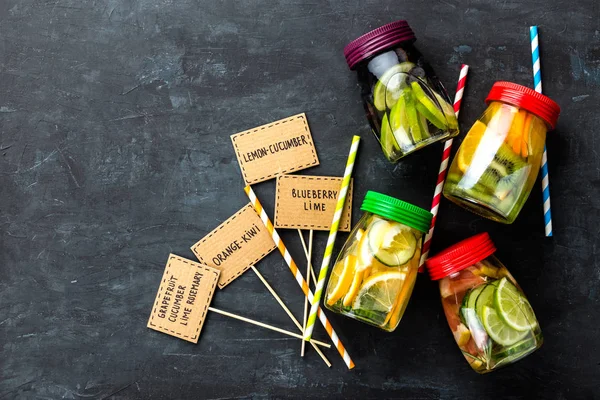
[183, 297]
[275, 149]
[308, 202]
[235, 245]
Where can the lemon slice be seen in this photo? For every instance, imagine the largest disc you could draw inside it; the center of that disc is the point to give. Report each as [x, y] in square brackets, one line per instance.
[354, 287]
[379, 292]
[344, 280]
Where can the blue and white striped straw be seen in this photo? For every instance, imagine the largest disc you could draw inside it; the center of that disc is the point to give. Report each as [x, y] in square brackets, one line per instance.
[537, 82]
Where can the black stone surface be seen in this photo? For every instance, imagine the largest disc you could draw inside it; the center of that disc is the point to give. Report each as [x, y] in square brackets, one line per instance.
[115, 119]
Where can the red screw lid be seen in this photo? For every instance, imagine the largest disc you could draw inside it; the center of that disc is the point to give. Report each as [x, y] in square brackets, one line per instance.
[377, 40]
[526, 98]
[460, 256]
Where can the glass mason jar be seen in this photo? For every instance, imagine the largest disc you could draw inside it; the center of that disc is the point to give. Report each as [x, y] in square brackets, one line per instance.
[406, 104]
[375, 272]
[488, 313]
[498, 161]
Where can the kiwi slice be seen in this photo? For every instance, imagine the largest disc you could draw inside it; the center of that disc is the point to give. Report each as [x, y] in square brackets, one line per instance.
[512, 183]
[501, 170]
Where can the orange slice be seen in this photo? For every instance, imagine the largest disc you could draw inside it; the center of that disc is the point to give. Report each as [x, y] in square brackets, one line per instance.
[469, 145]
[344, 281]
[354, 288]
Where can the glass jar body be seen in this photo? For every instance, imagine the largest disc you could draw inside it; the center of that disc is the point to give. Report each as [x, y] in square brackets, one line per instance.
[406, 104]
[375, 272]
[497, 163]
[490, 317]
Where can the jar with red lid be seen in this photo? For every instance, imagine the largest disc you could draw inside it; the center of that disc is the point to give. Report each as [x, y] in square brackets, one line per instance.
[492, 321]
[406, 104]
[497, 163]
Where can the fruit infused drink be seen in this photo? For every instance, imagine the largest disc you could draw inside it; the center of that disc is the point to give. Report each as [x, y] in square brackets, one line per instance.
[406, 105]
[497, 163]
[375, 272]
[490, 317]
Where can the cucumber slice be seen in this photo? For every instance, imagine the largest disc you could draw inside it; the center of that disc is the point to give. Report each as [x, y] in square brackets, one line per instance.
[471, 298]
[485, 298]
[389, 87]
[391, 243]
[517, 351]
[427, 107]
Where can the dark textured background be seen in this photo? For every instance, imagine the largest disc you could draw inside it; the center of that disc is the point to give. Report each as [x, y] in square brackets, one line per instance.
[115, 118]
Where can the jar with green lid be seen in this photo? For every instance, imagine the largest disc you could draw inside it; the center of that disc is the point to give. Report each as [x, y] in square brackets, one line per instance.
[375, 272]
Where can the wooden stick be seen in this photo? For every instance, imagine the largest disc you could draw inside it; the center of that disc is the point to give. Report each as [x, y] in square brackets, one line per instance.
[308, 269]
[266, 326]
[306, 254]
[287, 310]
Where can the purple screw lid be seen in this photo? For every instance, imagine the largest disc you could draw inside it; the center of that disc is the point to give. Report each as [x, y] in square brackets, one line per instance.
[377, 40]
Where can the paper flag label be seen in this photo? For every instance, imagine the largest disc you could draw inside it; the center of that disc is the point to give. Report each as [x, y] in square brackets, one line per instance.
[182, 301]
[275, 149]
[308, 202]
[235, 245]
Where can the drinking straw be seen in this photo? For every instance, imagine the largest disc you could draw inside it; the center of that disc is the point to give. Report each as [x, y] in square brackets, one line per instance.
[297, 274]
[537, 82]
[437, 193]
[261, 324]
[335, 223]
[288, 312]
[309, 270]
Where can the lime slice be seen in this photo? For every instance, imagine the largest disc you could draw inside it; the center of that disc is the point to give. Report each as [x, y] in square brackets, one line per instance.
[387, 139]
[388, 88]
[379, 292]
[427, 107]
[513, 308]
[399, 123]
[498, 330]
[391, 243]
[448, 111]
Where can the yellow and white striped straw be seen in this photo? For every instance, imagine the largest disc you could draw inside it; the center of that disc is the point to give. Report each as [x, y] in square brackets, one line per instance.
[297, 274]
[335, 223]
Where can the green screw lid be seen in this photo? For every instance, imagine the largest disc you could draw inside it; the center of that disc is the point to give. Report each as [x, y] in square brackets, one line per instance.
[397, 210]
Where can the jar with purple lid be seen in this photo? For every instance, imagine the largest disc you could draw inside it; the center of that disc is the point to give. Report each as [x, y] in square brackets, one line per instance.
[406, 104]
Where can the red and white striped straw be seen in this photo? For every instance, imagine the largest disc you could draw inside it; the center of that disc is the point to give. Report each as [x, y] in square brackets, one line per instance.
[437, 194]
